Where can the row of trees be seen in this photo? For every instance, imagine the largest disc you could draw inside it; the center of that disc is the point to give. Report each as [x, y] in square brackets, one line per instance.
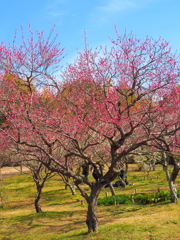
[108, 104]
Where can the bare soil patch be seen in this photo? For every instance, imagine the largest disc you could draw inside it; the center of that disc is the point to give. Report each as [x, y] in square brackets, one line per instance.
[7, 171]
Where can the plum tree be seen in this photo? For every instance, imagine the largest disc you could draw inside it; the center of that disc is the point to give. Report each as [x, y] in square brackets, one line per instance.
[108, 101]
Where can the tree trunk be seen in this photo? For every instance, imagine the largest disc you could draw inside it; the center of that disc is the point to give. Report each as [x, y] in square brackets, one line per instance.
[126, 167]
[172, 187]
[173, 192]
[73, 191]
[112, 189]
[171, 179]
[37, 198]
[37, 206]
[39, 186]
[92, 220]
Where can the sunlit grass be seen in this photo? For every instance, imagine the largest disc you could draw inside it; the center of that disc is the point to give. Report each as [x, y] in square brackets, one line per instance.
[64, 215]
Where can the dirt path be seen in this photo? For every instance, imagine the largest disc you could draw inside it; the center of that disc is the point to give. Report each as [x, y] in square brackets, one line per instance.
[7, 171]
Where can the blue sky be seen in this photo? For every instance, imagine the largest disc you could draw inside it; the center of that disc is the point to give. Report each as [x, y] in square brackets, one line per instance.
[98, 17]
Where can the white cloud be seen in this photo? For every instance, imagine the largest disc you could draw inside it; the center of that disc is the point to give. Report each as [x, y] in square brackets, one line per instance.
[53, 8]
[112, 7]
[115, 6]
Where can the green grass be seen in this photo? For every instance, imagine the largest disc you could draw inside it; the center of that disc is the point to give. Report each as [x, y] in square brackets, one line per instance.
[64, 215]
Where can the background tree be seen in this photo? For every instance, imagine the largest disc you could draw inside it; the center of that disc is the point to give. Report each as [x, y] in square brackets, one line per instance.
[169, 146]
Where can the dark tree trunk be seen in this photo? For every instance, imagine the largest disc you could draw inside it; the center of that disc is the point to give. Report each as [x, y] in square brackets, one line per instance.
[175, 171]
[39, 181]
[39, 186]
[92, 220]
[126, 167]
[37, 198]
[21, 171]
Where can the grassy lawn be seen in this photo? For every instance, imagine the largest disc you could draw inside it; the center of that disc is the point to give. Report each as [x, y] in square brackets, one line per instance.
[64, 215]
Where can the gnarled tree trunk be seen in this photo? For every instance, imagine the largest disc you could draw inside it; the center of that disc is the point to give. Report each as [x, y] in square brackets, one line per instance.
[172, 187]
[39, 186]
[171, 178]
[37, 198]
[92, 219]
[173, 192]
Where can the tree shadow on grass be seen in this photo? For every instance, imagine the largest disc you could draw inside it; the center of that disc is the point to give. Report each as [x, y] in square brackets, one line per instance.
[82, 235]
[164, 203]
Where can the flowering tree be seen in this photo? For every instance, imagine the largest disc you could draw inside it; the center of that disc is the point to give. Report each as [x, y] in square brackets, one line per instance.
[127, 83]
[169, 145]
[109, 100]
[23, 70]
